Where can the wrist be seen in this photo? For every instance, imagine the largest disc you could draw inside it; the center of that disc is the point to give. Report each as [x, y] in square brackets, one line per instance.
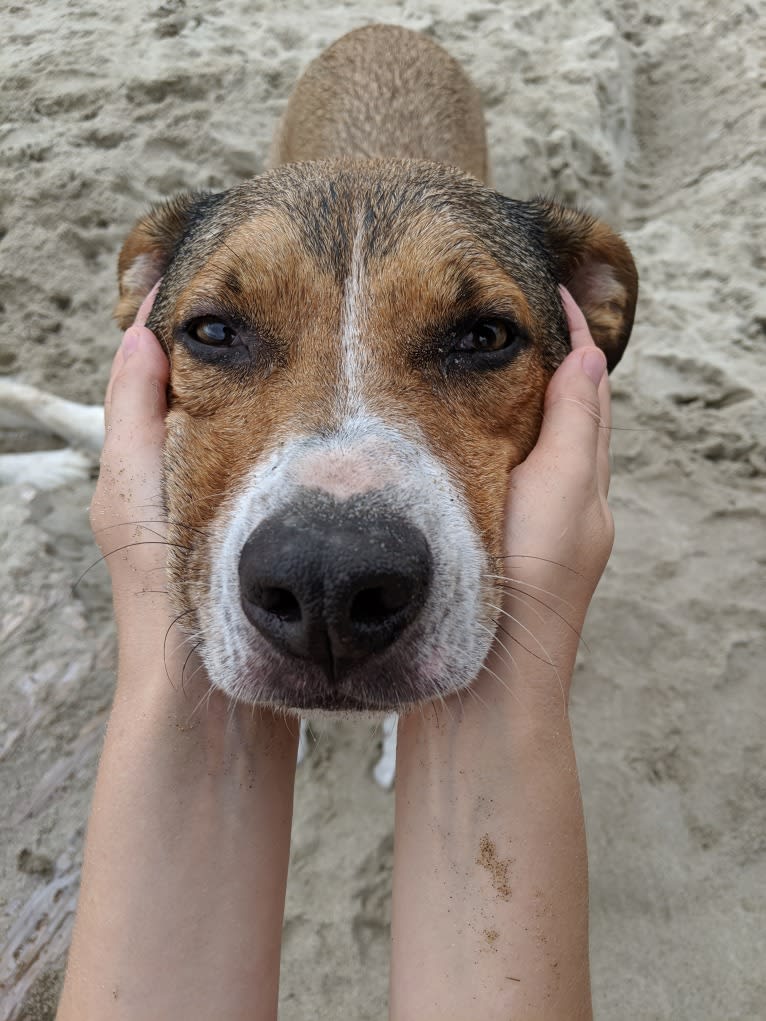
[531, 661]
[490, 832]
[190, 726]
[182, 789]
[464, 733]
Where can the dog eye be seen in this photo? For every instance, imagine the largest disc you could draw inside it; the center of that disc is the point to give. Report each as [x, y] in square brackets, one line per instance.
[212, 332]
[483, 344]
[487, 335]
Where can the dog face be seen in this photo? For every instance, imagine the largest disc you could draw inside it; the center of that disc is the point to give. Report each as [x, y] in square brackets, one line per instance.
[359, 357]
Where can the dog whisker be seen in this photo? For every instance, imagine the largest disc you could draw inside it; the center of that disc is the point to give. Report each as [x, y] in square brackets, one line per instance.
[149, 521]
[499, 640]
[447, 709]
[180, 616]
[205, 697]
[531, 634]
[532, 609]
[510, 585]
[459, 694]
[500, 680]
[186, 661]
[475, 695]
[590, 411]
[531, 556]
[505, 648]
[230, 714]
[549, 662]
[513, 637]
[130, 545]
[528, 584]
[524, 596]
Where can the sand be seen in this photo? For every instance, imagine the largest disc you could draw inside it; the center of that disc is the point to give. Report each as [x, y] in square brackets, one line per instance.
[650, 113]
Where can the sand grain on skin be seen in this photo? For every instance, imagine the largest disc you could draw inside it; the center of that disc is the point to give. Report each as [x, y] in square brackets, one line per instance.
[497, 868]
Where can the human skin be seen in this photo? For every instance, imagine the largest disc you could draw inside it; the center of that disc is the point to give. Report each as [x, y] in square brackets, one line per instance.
[182, 895]
[490, 900]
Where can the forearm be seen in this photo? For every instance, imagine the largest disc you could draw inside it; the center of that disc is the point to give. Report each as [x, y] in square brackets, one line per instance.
[490, 914]
[175, 919]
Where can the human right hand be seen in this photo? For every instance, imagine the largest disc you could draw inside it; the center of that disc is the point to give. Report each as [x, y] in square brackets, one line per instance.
[559, 529]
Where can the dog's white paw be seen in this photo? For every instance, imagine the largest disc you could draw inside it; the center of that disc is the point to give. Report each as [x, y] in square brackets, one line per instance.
[44, 469]
[385, 769]
[303, 741]
[28, 407]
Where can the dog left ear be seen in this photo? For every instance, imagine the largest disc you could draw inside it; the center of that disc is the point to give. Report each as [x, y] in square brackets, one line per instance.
[596, 267]
[150, 247]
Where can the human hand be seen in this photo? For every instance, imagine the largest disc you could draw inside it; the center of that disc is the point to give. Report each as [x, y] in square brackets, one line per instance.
[489, 852]
[127, 514]
[559, 529]
[182, 896]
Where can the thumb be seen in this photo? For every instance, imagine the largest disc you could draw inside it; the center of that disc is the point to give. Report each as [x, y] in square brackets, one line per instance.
[135, 405]
[134, 409]
[572, 416]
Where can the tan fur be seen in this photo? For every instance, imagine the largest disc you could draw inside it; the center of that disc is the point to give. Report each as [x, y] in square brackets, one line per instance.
[221, 429]
[344, 104]
[277, 253]
[146, 253]
[596, 266]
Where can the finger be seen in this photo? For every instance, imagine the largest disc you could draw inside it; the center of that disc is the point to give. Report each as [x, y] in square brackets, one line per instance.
[605, 435]
[141, 316]
[116, 366]
[572, 414]
[578, 327]
[146, 305]
[581, 337]
[131, 461]
[136, 406]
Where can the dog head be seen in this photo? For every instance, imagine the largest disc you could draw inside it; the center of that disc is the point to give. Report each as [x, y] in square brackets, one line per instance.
[359, 357]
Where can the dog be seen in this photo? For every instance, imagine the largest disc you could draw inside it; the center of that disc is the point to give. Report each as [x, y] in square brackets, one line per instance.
[360, 341]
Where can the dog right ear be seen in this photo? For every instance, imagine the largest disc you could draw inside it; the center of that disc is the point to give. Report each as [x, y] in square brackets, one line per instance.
[596, 267]
[149, 249]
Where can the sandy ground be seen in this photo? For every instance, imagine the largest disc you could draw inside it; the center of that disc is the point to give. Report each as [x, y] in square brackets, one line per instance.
[652, 114]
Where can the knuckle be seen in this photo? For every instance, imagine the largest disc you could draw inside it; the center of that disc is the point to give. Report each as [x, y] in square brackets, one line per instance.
[569, 403]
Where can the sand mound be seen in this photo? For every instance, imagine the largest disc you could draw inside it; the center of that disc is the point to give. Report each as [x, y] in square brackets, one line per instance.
[652, 115]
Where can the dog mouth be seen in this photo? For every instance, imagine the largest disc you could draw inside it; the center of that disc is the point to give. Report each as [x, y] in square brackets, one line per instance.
[405, 648]
[344, 598]
[344, 608]
[414, 670]
[370, 691]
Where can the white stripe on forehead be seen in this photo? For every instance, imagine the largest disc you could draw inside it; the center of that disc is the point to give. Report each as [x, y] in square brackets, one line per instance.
[355, 355]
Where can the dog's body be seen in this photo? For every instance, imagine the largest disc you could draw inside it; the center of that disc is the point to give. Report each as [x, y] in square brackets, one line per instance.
[384, 93]
[360, 346]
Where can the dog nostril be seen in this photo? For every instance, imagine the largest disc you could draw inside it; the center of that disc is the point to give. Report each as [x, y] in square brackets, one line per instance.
[280, 602]
[381, 602]
[327, 584]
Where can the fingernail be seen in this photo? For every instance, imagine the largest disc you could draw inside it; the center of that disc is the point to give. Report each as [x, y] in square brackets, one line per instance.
[594, 365]
[130, 341]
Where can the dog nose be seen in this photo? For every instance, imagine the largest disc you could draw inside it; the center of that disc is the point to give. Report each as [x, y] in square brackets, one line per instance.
[333, 583]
